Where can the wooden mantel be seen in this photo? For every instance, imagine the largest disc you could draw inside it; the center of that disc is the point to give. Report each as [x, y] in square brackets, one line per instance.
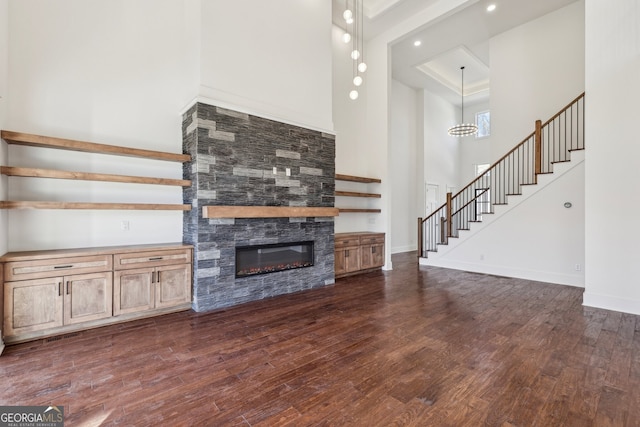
[266, 211]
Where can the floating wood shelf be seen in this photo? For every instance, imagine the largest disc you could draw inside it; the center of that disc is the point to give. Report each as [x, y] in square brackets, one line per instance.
[352, 178]
[357, 194]
[58, 174]
[97, 206]
[19, 138]
[363, 180]
[266, 212]
[356, 210]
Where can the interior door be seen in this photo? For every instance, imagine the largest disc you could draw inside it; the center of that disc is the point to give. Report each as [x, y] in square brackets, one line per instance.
[431, 197]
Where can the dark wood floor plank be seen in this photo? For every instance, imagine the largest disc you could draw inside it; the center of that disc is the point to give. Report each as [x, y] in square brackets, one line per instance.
[416, 346]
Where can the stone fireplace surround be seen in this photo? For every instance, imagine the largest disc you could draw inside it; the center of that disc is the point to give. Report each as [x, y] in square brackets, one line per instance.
[233, 159]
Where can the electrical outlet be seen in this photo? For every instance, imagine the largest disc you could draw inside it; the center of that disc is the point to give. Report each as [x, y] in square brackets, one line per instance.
[288, 171]
[125, 226]
[481, 257]
[578, 267]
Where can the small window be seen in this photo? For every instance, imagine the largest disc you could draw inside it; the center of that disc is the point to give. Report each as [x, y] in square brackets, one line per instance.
[483, 121]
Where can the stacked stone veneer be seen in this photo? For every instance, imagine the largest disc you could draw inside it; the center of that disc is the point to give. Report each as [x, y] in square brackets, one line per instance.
[232, 159]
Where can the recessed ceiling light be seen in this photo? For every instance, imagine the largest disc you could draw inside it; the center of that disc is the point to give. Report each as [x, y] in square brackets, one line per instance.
[491, 8]
[417, 43]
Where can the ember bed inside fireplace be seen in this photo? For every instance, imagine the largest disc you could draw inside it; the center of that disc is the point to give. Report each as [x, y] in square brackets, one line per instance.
[261, 259]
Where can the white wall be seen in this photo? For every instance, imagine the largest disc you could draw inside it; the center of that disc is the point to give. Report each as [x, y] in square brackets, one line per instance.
[352, 149]
[271, 60]
[536, 69]
[612, 173]
[121, 72]
[4, 89]
[534, 238]
[374, 134]
[404, 161]
[115, 72]
[441, 151]
[473, 151]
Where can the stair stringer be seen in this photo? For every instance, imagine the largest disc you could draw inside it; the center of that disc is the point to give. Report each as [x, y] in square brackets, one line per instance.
[553, 261]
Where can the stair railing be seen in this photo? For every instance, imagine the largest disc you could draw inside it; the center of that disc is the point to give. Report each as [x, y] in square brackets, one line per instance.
[551, 142]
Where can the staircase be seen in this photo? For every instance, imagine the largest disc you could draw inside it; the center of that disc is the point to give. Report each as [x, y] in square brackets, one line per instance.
[552, 143]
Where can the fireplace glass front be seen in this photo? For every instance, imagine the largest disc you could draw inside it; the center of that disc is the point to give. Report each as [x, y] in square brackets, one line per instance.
[261, 259]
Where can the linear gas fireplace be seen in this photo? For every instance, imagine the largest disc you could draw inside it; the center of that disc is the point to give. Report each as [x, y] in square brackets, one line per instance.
[262, 259]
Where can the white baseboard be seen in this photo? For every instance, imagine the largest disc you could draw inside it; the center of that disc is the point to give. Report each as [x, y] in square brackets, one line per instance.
[608, 302]
[498, 270]
[402, 249]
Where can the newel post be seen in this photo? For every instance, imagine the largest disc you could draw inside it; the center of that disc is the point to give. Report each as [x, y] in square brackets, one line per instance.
[538, 149]
[449, 205]
[420, 236]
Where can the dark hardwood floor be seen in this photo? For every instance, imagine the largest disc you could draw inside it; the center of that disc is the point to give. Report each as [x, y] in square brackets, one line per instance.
[416, 346]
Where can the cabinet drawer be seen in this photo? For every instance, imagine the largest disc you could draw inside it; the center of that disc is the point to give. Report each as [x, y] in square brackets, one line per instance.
[372, 239]
[24, 270]
[151, 259]
[347, 242]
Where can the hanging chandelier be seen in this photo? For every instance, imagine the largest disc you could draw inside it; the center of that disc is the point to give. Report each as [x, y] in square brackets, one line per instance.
[463, 129]
[355, 20]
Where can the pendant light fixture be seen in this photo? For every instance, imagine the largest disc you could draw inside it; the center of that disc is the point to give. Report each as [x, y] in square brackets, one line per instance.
[463, 129]
[355, 19]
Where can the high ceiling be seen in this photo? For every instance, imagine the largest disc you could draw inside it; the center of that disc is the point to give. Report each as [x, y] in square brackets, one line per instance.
[461, 39]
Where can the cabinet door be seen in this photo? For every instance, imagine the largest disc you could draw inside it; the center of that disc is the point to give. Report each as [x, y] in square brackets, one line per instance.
[133, 291]
[352, 259]
[346, 260]
[87, 297]
[173, 285]
[372, 256]
[340, 262]
[32, 305]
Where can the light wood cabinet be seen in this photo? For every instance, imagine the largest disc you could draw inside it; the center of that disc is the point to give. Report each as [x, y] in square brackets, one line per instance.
[150, 280]
[347, 254]
[143, 289]
[87, 297]
[52, 292]
[41, 304]
[358, 252]
[173, 285]
[372, 251]
[133, 291]
[32, 305]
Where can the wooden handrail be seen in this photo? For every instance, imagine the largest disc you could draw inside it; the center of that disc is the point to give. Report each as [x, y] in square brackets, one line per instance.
[494, 165]
[497, 163]
[521, 165]
[559, 113]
